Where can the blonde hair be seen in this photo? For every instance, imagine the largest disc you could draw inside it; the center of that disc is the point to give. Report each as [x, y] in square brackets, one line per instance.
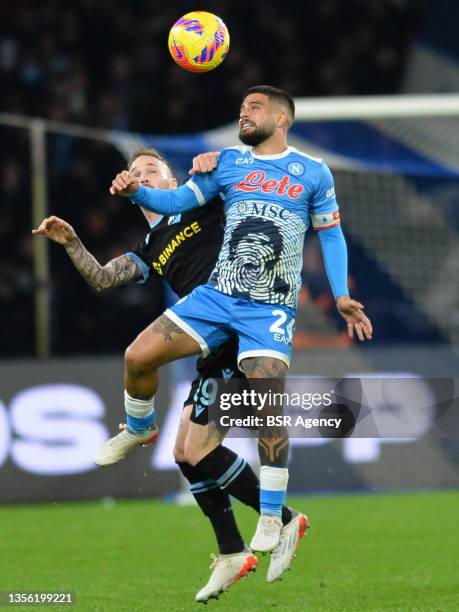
[151, 153]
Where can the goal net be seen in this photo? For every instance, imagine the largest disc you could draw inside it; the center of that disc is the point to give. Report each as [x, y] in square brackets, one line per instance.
[397, 180]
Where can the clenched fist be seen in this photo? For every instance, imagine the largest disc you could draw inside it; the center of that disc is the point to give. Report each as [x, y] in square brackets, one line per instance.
[205, 162]
[124, 184]
[56, 229]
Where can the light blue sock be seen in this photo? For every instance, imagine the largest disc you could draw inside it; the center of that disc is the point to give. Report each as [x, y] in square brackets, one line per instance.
[140, 414]
[271, 502]
[273, 489]
[140, 424]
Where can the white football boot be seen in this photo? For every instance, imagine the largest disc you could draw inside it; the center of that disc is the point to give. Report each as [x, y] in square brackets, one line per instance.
[284, 553]
[267, 535]
[116, 448]
[227, 569]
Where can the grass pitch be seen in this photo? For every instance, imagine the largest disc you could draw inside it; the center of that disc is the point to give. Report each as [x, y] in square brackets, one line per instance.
[363, 552]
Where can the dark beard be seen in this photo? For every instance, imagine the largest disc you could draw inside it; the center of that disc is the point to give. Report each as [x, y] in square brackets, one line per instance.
[254, 138]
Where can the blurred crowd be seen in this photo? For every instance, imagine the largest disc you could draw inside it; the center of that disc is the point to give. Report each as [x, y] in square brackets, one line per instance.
[82, 320]
[106, 63]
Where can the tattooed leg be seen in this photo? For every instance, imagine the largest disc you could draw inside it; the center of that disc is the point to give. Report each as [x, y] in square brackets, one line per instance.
[264, 367]
[161, 342]
[269, 373]
[167, 328]
[273, 442]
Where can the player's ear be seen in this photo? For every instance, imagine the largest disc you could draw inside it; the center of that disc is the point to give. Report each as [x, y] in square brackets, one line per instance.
[282, 119]
[173, 183]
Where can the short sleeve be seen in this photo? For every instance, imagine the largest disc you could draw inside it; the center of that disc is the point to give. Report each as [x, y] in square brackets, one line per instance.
[139, 256]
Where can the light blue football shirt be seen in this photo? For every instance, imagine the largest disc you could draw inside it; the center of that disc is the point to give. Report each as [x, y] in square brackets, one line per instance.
[269, 200]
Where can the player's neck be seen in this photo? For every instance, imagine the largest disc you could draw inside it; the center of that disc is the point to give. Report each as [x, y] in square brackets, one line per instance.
[151, 217]
[273, 146]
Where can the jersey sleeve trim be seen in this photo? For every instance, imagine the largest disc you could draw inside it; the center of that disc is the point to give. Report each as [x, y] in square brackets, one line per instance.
[142, 265]
[322, 221]
[197, 192]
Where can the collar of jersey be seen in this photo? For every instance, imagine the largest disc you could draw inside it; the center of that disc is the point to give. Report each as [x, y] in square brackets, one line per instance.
[156, 221]
[287, 151]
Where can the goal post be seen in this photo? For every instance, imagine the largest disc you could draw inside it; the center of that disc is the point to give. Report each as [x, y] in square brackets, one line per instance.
[377, 107]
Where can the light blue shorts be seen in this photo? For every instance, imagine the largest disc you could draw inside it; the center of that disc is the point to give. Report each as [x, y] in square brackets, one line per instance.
[211, 317]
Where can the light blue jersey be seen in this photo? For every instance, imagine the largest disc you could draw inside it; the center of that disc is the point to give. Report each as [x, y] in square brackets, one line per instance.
[269, 200]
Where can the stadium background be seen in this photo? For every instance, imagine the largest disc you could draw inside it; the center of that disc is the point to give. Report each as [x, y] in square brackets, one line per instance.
[105, 65]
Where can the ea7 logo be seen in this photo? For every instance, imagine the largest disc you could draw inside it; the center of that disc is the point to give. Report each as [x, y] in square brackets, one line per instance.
[242, 161]
[256, 181]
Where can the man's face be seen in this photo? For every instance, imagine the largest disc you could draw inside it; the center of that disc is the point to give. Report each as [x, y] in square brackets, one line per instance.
[257, 119]
[152, 172]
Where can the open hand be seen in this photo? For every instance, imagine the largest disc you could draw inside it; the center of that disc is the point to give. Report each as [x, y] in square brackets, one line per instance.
[57, 230]
[356, 320]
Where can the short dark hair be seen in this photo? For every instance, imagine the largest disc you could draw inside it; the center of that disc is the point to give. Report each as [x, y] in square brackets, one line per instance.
[151, 153]
[273, 93]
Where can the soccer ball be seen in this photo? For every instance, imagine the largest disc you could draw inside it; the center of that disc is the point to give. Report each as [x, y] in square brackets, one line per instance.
[199, 41]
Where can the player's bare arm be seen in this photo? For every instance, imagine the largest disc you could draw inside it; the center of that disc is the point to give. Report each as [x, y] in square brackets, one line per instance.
[356, 320]
[118, 271]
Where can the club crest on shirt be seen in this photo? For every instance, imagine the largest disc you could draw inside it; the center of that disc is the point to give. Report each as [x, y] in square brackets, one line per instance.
[295, 168]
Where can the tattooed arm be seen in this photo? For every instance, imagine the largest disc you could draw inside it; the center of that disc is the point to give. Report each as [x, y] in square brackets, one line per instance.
[116, 272]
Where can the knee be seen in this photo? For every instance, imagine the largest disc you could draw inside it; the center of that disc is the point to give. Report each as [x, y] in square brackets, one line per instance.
[134, 361]
[179, 454]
